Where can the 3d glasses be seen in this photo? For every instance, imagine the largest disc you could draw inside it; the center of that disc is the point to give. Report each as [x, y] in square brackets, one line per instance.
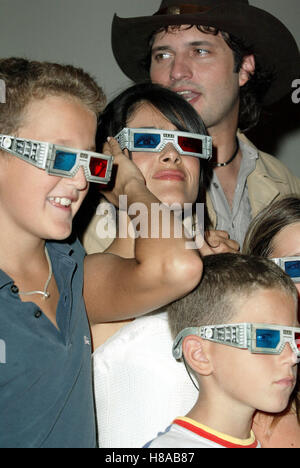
[152, 140]
[59, 160]
[257, 338]
[290, 265]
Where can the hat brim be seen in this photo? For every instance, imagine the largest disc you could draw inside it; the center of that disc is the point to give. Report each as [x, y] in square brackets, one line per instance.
[272, 43]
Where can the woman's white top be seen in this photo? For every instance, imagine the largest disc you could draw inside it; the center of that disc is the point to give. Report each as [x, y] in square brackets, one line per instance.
[139, 387]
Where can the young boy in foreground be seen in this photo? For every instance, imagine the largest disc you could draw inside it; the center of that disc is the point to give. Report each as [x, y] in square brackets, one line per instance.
[50, 292]
[237, 333]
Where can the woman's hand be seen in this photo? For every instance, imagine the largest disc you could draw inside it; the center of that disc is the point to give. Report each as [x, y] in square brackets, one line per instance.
[217, 242]
[126, 172]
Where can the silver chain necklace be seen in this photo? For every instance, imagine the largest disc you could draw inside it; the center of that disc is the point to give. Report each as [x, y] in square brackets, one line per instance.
[44, 293]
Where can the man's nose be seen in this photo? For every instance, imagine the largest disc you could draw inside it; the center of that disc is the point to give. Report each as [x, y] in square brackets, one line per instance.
[180, 69]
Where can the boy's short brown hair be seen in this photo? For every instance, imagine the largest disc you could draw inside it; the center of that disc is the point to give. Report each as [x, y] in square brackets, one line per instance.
[26, 80]
[227, 279]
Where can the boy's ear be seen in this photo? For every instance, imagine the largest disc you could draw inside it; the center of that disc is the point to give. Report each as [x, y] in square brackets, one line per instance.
[247, 69]
[195, 354]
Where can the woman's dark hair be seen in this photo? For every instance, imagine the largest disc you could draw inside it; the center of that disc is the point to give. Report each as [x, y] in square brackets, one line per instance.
[252, 93]
[120, 110]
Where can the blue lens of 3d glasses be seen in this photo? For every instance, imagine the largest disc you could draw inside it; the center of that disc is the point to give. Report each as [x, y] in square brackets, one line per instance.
[64, 161]
[292, 268]
[267, 338]
[146, 140]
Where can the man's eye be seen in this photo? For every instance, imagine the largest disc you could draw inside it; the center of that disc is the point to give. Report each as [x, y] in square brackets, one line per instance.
[162, 56]
[201, 52]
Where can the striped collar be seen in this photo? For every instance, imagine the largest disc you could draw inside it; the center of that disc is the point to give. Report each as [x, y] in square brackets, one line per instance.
[215, 436]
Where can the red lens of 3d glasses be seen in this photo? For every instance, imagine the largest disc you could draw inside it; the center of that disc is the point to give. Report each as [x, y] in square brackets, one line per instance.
[98, 167]
[297, 340]
[190, 145]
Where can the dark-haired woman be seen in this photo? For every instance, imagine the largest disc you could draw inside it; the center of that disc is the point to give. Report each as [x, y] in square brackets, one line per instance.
[134, 371]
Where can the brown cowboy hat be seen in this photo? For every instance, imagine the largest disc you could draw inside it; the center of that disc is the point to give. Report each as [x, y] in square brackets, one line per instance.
[273, 45]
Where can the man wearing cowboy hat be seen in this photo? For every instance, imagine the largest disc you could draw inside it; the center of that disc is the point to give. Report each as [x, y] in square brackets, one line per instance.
[228, 59]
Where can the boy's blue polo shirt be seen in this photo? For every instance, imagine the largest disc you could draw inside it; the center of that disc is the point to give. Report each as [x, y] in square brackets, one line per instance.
[46, 397]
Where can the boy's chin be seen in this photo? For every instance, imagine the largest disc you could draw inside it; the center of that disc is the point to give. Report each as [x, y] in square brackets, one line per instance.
[276, 408]
[59, 234]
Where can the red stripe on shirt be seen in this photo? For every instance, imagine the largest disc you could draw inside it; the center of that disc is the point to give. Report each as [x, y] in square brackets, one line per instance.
[212, 437]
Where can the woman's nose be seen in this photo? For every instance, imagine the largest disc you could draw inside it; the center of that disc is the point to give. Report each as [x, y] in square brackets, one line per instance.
[170, 155]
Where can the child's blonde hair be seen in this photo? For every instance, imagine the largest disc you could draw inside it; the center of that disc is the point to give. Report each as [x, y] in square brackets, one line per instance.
[26, 80]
